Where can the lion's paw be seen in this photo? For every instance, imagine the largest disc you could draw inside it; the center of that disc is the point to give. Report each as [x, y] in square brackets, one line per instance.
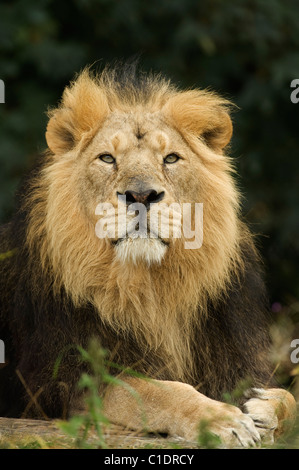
[239, 431]
[229, 424]
[261, 408]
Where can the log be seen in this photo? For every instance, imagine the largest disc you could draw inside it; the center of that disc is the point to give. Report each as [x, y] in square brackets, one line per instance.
[20, 433]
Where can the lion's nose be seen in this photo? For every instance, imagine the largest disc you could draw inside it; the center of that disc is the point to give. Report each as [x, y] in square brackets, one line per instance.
[146, 197]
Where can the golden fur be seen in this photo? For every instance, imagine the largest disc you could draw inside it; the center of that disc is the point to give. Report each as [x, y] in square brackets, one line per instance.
[132, 297]
[185, 317]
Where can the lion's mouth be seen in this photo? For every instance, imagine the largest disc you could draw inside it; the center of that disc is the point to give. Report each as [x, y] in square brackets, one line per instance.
[120, 240]
[144, 234]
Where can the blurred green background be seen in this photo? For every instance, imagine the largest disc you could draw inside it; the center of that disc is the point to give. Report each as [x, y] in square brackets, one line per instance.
[247, 50]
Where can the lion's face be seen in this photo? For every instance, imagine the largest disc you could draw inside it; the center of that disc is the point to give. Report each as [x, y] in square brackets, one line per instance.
[150, 147]
[138, 158]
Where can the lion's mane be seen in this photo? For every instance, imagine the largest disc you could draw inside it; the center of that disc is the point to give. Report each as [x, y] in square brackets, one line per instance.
[187, 318]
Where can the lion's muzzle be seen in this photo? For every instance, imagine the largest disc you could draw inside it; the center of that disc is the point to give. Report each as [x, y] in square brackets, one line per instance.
[147, 197]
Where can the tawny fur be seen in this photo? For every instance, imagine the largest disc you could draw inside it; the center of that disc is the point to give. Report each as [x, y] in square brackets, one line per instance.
[133, 297]
[177, 315]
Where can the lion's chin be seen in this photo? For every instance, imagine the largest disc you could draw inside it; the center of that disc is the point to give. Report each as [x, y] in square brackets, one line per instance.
[134, 250]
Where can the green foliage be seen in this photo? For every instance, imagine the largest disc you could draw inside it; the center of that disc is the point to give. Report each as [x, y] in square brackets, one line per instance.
[289, 440]
[7, 254]
[93, 417]
[233, 398]
[247, 50]
[79, 426]
[206, 439]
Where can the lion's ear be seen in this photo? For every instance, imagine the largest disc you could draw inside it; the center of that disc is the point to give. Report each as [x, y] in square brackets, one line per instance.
[220, 133]
[60, 133]
[83, 108]
[204, 114]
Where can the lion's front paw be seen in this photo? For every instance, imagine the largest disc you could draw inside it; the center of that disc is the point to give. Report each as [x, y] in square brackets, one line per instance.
[270, 411]
[229, 424]
[235, 429]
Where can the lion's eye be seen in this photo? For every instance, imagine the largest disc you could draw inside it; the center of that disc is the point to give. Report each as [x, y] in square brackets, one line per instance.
[171, 158]
[107, 158]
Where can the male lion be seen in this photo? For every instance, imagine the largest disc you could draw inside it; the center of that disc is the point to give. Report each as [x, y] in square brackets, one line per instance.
[192, 319]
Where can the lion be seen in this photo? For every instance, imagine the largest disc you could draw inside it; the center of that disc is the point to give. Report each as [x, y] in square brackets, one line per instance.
[193, 320]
